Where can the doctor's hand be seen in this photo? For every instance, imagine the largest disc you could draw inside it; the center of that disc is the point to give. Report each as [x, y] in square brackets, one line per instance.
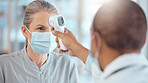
[71, 43]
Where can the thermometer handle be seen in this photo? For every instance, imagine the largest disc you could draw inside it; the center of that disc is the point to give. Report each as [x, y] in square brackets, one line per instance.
[61, 44]
[60, 40]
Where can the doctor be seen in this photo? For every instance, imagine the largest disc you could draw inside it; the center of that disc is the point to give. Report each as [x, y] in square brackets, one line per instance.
[117, 36]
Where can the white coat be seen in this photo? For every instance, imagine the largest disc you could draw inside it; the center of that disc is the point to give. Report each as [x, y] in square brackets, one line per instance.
[128, 68]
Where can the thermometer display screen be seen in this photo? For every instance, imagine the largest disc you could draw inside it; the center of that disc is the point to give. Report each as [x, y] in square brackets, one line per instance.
[60, 21]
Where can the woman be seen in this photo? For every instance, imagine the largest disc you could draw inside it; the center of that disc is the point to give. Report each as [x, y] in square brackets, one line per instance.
[36, 62]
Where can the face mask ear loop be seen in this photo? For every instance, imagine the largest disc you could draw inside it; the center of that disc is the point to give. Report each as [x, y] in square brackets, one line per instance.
[99, 46]
[29, 32]
[99, 42]
[28, 29]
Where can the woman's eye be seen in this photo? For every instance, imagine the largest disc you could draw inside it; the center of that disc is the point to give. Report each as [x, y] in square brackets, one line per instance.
[40, 28]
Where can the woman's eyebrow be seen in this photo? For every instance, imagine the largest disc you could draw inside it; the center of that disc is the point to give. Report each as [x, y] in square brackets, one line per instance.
[40, 25]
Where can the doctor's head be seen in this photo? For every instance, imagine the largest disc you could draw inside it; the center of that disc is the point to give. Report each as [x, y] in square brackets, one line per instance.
[36, 18]
[119, 26]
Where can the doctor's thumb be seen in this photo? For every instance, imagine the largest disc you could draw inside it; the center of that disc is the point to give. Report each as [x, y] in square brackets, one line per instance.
[57, 33]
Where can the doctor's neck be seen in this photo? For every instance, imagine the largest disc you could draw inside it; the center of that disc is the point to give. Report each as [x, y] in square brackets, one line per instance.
[38, 59]
[108, 55]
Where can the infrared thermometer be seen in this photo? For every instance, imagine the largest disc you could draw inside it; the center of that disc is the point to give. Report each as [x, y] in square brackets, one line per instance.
[58, 22]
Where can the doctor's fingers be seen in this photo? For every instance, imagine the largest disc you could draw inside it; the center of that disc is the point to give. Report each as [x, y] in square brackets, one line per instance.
[58, 45]
[66, 30]
[63, 51]
[57, 40]
[58, 34]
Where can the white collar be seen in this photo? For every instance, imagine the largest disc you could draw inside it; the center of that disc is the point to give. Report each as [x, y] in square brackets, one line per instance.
[124, 61]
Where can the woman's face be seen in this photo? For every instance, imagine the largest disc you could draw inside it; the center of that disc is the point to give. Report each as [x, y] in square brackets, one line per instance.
[39, 24]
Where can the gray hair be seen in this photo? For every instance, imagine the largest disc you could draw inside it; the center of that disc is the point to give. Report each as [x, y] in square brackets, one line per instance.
[35, 7]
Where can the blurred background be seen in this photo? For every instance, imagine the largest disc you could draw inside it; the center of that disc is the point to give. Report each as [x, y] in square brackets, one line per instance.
[79, 15]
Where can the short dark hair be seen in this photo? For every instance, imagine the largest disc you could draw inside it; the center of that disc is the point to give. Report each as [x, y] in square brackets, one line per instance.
[122, 24]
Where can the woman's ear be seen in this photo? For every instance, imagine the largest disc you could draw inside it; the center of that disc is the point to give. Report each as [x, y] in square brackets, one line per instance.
[24, 31]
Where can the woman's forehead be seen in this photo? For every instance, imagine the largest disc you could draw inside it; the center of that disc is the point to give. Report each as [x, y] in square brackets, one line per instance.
[41, 18]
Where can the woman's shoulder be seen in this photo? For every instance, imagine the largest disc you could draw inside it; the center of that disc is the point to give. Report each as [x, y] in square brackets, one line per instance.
[63, 58]
[9, 58]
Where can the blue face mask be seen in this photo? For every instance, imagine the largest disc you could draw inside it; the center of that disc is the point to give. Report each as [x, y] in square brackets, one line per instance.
[94, 59]
[95, 67]
[42, 42]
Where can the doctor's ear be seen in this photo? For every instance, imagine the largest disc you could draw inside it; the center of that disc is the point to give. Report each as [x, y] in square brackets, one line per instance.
[98, 40]
[24, 31]
[144, 42]
[94, 43]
